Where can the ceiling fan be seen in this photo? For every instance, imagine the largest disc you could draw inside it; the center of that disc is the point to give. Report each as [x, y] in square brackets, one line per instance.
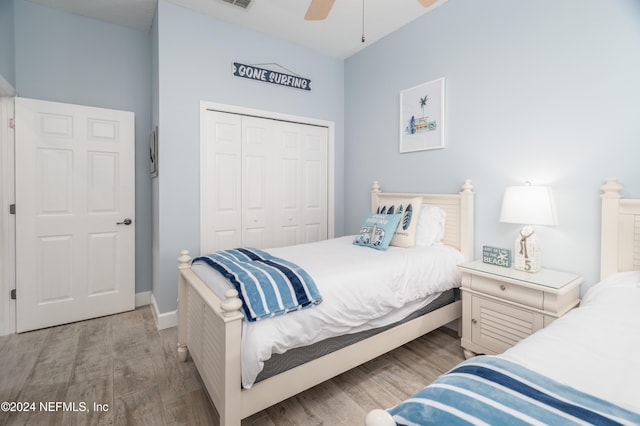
[319, 9]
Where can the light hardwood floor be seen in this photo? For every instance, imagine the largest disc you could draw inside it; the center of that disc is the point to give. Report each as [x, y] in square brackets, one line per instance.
[129, 367]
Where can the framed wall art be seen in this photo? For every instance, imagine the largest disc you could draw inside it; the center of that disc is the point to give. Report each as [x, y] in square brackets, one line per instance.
[422, 117]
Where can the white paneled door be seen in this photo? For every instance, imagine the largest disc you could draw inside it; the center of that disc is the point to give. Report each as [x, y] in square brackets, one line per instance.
[75, 227]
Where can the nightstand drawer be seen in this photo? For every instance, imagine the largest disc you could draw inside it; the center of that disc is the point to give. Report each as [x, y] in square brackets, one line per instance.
[506, 291]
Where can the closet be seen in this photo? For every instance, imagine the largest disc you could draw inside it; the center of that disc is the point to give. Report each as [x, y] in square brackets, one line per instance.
[263, 182]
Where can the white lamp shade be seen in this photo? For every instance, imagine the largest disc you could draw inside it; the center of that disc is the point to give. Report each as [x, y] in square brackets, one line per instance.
[530, 205]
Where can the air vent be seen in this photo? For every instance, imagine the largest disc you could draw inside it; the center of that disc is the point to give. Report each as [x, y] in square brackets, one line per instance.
[240, 3]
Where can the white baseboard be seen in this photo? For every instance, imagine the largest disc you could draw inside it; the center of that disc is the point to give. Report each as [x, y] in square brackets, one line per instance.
[167, 320]
[164, 320]
[143, 298]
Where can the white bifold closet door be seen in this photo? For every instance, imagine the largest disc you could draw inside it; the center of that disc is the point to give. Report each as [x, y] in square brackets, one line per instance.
[264, 182]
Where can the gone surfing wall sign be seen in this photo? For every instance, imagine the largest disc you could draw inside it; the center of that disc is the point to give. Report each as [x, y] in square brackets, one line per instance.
[253, 72]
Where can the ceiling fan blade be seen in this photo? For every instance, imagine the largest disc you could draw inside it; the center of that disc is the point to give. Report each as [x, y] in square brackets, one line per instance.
[427, 3]
[318, 10]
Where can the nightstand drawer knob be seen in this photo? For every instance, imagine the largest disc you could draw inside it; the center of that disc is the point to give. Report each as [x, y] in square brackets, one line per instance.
[474, 321]
[502, 287]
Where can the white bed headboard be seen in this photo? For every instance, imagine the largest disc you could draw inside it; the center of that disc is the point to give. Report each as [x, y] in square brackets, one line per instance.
[458, 207]
[620, 231]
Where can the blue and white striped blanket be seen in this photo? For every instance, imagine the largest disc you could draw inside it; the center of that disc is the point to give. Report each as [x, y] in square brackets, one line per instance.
[487, 390]
[267, 285]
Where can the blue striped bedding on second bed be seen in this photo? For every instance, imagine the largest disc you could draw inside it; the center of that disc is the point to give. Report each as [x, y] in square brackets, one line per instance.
[488, 390]
[267, 285]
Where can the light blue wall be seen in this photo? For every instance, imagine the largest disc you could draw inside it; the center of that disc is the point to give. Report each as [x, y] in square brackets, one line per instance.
[68, 58]
[7, 54]
[544, 90]
[195, 56]
[534, 91]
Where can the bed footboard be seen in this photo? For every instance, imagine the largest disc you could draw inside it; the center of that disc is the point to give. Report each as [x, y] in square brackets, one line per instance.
[210, 331]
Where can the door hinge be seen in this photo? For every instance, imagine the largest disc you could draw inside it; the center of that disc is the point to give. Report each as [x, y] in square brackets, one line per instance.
[12, 123]
[12, 209]
[12, 294]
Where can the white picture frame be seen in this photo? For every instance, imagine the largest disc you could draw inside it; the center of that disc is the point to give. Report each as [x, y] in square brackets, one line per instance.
[422, 117]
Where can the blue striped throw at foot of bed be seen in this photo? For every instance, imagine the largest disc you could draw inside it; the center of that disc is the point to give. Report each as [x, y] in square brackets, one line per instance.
[486, 390]
[267, 285]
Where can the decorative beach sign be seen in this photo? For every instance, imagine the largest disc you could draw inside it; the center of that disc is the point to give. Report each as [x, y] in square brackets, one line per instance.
[422, 117]
[253, 72]
[496, 256]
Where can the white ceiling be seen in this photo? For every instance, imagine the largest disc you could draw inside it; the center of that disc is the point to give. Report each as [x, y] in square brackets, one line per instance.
[137, 14]
[339, 35]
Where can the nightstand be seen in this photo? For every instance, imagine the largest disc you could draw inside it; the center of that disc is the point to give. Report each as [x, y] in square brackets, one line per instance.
[501, 306]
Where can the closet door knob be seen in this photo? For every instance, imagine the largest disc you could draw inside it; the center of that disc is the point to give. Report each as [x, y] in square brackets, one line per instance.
[127, 221]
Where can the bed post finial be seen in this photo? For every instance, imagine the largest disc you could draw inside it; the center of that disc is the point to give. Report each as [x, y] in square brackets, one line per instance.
[379, 417]
[467, 187]
[375, 187]
[611, 188]
[231, 304]
[184, 259]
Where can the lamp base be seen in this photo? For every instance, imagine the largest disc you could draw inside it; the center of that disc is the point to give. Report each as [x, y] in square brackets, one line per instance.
[527, 251]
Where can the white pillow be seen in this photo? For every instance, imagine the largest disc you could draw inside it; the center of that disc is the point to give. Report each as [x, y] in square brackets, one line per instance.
[409, 208]
[430, 229]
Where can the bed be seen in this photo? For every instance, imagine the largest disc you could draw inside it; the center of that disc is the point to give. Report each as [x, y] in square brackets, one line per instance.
[210, 328]
[581, 369]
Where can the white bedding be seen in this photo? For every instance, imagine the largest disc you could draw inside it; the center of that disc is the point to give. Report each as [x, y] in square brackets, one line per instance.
[361, 289]
[596, 347]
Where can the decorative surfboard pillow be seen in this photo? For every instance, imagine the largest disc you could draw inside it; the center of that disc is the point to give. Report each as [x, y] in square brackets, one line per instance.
[409, 209]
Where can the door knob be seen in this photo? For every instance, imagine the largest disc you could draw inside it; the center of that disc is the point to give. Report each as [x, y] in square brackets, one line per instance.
[127, 221]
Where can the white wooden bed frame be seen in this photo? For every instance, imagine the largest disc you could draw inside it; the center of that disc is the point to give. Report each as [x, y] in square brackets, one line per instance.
[210, 329]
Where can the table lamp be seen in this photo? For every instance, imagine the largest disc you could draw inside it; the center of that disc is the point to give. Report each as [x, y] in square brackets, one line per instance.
[528, 205]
